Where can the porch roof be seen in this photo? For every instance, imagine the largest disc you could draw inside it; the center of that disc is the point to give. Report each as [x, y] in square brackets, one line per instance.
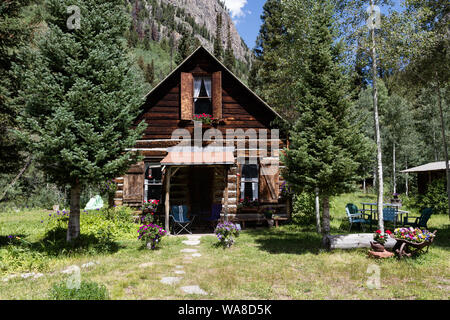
[198, 156]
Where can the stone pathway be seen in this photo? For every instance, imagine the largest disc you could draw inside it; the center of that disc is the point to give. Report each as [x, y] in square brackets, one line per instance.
[192, 241]
[34, 275]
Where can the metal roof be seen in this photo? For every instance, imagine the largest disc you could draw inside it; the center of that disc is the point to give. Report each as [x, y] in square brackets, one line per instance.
[432, 166]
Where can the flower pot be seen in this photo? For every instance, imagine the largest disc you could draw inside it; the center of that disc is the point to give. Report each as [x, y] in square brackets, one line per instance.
[151, 245]
[377, 247]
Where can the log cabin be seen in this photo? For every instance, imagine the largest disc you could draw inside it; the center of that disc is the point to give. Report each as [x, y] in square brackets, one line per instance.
[198, 177]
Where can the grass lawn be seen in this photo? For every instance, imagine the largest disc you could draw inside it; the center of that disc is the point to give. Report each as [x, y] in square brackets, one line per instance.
[281, 263]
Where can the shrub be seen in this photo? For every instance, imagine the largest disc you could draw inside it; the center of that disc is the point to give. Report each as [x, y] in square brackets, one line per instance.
[303, 212]
[151, 234]
[435, 197]
[226, 232]
[87, 291]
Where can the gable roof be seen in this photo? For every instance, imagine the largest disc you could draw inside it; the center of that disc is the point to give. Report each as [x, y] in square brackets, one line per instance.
[202, 50]
[432, 166]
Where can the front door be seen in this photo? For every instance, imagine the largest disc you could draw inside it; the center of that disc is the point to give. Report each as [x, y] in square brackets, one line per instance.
[201, 190]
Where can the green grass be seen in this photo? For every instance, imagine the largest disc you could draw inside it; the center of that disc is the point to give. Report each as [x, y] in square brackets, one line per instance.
[281, 263]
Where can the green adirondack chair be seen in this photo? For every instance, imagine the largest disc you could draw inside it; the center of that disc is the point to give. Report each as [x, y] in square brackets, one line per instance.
[419, 222]
[357, 216]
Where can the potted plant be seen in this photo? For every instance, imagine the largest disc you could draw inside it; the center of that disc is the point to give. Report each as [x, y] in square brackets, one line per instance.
[206, 119]
[226, 232]
[268, 213]
[379, 240]
[150, 206]
[245, 204]
[151, 235]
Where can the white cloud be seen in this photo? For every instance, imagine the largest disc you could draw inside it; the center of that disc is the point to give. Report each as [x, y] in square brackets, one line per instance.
[236, 7]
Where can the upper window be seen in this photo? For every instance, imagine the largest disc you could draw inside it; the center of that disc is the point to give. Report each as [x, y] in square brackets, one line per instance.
[202, 96]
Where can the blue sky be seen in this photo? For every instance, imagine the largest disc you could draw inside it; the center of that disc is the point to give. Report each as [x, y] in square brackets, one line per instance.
[247, 17]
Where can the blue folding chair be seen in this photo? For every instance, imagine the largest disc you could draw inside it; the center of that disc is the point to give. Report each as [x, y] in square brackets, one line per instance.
[216, 210]
[180, 220]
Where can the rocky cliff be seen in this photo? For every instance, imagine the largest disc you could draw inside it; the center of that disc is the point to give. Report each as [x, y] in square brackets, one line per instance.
[166, 18]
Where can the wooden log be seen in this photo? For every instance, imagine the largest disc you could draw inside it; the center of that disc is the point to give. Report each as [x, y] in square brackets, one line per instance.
[354, 241]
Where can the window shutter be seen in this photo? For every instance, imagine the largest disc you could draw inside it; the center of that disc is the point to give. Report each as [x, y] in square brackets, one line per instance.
[133, 184]
[268, 181]
[217, 94]
[187, 96]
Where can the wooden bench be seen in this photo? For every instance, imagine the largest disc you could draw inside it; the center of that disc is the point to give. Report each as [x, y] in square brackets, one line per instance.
[248, 217]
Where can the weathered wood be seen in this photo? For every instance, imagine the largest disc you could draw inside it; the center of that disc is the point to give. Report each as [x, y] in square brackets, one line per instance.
[133, 184]
[217, 94]
[187, 96]
[353, 241]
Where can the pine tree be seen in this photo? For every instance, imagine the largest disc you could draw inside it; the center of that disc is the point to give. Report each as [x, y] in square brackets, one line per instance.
[13, 34]
[230, 60]
[184, 47]
[269, 70]
[324, 142]
[218, 49]
[149, 72]
[81, 97]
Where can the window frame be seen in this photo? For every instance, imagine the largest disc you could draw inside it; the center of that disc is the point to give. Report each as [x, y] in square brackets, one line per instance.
[152, 182]
[253, 181]
[194, 98]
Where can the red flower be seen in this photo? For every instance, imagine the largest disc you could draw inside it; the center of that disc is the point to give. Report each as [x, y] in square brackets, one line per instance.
[388, 232]
[378, 231]
[381, 237]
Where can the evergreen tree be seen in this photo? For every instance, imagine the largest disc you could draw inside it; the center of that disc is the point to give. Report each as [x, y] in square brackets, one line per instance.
[81, 96]
[270, 72]
[324, 148]
[218, 49]
[184, 47]
[230, 60]
[149, 72]
[13, 34]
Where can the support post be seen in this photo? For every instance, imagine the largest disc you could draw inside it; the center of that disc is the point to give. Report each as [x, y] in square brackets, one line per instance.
[167, 200]
[226, 195]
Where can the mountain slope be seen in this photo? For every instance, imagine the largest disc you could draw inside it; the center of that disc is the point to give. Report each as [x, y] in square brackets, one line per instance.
[157, 26]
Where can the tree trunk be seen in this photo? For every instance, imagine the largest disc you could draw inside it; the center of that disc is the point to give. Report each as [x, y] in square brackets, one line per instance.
[317, 212]
[444, 140]
[354, 241]
[406, 180]
[73, 229]
[377, 133]
[393, 168]
[325, 219]
[28, 161]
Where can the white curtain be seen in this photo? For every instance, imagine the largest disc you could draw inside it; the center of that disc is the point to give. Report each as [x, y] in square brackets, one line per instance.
[197, 87]
[207, 82]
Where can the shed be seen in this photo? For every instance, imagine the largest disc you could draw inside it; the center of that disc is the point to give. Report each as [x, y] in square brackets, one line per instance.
[427, 173]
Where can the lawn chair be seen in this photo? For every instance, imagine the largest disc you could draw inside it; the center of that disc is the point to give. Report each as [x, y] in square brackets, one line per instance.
[390, 215]
[180, 219]
[216, 209]
[357, 216]
[419, 222]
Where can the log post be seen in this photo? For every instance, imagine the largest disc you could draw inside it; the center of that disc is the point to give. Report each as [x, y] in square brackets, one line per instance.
[226, 195]
[167, 200]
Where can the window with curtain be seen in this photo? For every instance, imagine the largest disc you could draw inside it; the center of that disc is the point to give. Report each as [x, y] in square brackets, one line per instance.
[249, 181]
[153, 182]
[202, 96]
